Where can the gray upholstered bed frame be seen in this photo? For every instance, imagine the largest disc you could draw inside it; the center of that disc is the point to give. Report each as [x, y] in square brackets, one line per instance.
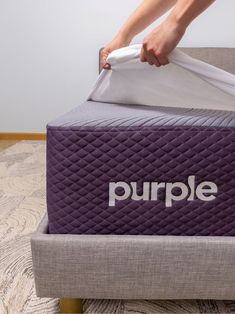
[136, 267]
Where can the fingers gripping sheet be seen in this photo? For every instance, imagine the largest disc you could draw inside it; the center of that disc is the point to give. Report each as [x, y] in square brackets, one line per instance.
[186, 82]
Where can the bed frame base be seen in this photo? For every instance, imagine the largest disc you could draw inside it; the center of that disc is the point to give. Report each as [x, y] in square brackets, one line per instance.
[132, 267]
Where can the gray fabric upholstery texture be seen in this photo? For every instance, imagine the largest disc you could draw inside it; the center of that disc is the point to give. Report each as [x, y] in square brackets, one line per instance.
[133, 267]
[223, 58]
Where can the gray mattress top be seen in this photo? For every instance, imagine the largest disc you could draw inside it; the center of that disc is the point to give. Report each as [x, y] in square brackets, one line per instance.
[99, 115]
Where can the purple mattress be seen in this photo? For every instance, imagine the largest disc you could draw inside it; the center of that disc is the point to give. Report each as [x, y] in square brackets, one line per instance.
[118, 169]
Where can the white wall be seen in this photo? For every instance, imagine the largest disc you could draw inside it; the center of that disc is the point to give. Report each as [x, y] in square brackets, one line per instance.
[49, 52]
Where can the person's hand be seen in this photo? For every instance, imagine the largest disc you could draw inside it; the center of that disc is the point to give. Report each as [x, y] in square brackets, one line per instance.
[116, 43]
[160, 43]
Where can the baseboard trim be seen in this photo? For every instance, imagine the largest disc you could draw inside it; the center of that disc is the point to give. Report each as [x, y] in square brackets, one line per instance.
[22, 136]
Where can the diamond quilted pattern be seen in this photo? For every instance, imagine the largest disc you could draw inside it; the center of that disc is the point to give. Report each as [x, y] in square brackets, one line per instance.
[82, 161]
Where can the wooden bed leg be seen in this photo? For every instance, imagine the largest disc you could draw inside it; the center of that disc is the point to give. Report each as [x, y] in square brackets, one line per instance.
[71, 306]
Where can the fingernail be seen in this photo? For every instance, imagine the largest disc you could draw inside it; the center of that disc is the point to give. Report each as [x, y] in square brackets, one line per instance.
[107, 66]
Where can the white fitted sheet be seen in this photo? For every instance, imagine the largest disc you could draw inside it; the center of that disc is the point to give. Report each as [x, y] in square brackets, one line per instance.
[186, 82]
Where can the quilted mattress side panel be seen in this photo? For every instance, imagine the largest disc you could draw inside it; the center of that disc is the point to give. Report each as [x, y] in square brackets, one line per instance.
[83, 162]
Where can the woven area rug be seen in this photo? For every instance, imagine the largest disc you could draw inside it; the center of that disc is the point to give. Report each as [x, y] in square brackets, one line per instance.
[22, 205]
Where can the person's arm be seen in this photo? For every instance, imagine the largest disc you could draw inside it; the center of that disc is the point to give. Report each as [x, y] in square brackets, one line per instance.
[162, 40]
[185, 11]
[144, 15]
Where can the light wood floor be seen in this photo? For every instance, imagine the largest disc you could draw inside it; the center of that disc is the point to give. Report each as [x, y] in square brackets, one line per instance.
[6, 144]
